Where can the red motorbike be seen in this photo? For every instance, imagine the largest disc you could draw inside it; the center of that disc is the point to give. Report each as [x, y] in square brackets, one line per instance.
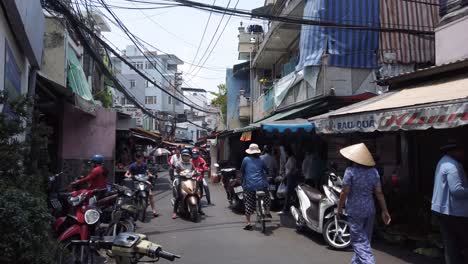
[80, 223]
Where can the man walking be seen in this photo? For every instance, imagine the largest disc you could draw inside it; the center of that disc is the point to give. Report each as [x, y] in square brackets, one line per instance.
[270, 162]
[450, 202]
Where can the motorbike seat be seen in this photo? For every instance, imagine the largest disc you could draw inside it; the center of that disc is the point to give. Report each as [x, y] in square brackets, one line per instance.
[260, 193]
[313, 194]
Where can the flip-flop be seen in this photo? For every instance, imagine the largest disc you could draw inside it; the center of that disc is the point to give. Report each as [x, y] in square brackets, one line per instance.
[248, 227]
[155, 214]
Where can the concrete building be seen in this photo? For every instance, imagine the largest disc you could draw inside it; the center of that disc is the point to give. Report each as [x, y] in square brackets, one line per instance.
[21, 45]
[294, 66]
[450, 34]
[80, 126]
[163, 69]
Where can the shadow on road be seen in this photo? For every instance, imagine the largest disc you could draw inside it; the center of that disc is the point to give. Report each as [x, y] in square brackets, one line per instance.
[211, 226]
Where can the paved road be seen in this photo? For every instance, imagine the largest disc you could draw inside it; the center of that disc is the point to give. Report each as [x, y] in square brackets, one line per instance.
[219, 238]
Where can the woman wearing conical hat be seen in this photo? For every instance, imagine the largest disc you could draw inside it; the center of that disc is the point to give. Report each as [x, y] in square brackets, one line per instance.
[361, 181]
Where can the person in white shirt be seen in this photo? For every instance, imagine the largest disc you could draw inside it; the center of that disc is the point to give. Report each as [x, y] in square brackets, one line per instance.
[173, 161]
[270, 162]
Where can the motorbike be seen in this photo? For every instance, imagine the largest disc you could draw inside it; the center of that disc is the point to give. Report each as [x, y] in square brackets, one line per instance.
[127, 248]
[123, 211]
[318, 212]
[57, 200]
[142, 189]
[82, 223]
[190, 193]
[232, 186]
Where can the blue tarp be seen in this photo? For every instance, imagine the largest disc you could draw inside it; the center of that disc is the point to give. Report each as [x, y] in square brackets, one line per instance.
[345, 47]
[292, 125]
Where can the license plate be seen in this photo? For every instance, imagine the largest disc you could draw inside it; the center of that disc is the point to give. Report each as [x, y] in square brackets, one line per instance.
[238, 189]
[272, 187]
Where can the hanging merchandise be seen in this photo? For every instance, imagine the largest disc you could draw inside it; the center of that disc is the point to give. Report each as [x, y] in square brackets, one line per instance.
[246, 136]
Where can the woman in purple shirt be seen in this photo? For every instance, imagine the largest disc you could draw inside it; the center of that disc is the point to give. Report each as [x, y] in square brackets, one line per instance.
[360, 182]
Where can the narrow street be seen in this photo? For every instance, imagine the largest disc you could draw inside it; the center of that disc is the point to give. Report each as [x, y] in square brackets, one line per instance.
[219, 238]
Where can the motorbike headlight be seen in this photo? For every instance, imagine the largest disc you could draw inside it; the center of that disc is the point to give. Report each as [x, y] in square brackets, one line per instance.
[92, 216]
[141, 186]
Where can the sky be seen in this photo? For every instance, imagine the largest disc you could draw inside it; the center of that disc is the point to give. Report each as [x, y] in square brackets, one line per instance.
[178, 31]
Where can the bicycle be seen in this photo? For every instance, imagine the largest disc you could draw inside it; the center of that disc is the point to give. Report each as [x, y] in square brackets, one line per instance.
[261, 210]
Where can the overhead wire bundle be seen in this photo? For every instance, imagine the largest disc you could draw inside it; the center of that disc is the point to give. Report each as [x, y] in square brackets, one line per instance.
[80, 29]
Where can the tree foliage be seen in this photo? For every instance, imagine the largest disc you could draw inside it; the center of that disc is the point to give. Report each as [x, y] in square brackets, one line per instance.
[24, 218]
[221, 99]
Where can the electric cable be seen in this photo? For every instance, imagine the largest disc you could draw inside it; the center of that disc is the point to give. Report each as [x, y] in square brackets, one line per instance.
[165, 91]
[291, 20]
[203, 36]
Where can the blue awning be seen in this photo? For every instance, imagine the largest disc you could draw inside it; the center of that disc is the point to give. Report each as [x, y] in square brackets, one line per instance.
[292, 125]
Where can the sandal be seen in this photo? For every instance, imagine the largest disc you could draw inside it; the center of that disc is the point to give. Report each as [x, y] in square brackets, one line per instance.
[248, 227]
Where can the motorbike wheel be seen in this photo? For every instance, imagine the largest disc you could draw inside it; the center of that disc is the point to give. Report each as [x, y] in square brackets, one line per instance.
[194, 213]
[338, 238]
[142, 205]
[72, 254]
[120, 227]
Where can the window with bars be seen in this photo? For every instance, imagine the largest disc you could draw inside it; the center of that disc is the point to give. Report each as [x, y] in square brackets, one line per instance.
[132, 83]
[150, 99]
[169, 100]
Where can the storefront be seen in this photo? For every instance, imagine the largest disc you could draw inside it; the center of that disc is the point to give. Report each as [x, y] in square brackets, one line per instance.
[405, 129]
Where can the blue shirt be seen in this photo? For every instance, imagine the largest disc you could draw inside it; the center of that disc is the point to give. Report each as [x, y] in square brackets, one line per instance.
[362, 182]
[254, 173]
[450, 196]
[135, 169]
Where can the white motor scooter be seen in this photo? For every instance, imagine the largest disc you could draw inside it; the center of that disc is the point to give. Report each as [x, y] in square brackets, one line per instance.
[318, 212]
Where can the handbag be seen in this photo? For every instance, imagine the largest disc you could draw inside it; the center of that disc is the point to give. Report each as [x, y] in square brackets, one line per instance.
[282, 190]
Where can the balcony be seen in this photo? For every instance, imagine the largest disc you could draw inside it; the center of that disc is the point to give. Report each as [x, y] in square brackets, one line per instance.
[280, 37]
[244, 106]
[249, 39]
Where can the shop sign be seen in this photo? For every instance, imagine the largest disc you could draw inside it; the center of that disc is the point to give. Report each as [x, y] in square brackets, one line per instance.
[441, 116]
[135, 113]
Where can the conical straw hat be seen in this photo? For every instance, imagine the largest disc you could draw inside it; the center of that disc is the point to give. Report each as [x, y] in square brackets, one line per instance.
[359, 154]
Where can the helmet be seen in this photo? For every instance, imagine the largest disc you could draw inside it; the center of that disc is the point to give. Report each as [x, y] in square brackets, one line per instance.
[185, 152]
[195, 153]
[97, 158]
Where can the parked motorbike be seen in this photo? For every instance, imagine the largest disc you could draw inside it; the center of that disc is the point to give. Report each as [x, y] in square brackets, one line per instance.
[57, 201]
[190, 193]
[123, 211]
[142, 194]
[232, 186]
[82, 223]
[127, 248]
[318, 212]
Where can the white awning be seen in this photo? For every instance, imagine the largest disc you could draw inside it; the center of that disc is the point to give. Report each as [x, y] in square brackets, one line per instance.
[441, 104]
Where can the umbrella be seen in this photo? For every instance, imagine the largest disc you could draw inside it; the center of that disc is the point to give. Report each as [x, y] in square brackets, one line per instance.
[161, 152]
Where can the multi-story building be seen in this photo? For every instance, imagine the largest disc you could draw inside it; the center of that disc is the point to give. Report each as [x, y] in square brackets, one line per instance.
[200, 123]
[21, 45]
[293, 67]
[163, 69]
